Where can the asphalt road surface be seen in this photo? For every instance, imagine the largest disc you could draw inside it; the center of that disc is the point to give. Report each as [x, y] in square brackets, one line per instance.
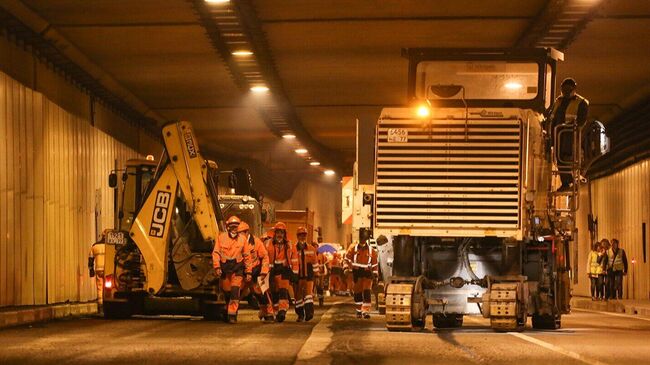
[335, 336]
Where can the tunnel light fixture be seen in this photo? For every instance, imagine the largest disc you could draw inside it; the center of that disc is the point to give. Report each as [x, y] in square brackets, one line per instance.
[423, 111]
[314, 163]
[301, 151]
[242, 53]
[329, 172]
[513, 85]
[259, 89]
[289, 136]
[217, 1]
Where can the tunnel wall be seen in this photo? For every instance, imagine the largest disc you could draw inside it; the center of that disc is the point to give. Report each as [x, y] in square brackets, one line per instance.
[53, 183]
[324, 198]
[621, 203]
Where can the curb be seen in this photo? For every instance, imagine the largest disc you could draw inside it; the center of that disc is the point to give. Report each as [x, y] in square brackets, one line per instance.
[612, 306]
[19, 317]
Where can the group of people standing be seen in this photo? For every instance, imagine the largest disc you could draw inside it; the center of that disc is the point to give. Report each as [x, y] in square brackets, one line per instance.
[606, 266]
[275, 269]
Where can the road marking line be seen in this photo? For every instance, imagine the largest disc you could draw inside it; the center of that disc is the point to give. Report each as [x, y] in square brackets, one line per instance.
[313, 350]
[630, 316]
[557, 349]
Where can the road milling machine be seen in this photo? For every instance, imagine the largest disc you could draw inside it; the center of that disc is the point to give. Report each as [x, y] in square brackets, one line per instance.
[464, 205]
[158, 256]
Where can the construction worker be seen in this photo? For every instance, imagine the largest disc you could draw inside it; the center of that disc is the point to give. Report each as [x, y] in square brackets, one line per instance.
[617, 268]
[569, 108]
[284, 261]
[320, 270]
[96, 267]
[231, 260]
[363, 263]
[595, 271]
[336, 272]
[259, 259]
[307, 259]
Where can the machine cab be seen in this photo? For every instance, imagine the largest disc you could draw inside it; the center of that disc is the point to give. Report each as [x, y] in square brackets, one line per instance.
[128, 198]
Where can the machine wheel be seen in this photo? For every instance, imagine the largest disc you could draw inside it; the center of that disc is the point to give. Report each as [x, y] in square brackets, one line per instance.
[117, 310]
[406, 304]
[546, 321]
[447, 320]
[212, 312]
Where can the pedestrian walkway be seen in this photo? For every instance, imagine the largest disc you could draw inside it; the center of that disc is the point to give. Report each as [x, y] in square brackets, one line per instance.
[15, 316]
[638, 307]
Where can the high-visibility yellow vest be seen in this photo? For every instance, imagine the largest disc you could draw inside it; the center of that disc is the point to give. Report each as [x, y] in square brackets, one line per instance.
[616, 263]
[593, 267]
[571, 113]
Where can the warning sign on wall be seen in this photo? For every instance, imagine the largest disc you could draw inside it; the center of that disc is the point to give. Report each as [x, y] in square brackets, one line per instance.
[347, 195]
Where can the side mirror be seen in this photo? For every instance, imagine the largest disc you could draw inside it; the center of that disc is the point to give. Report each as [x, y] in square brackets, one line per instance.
[112, 180]
[595, 142]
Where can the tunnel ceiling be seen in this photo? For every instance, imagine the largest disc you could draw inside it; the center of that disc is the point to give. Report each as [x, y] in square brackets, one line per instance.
[336, 60]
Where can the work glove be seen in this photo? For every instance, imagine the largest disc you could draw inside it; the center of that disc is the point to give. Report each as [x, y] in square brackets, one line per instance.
[249, 278]
[218, 272]
[92, 273]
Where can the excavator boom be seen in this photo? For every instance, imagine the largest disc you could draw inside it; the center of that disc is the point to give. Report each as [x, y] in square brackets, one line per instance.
[184, 169]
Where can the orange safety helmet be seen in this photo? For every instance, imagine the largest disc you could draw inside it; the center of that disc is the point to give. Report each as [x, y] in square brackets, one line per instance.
[243, 226]
[280, 226]
[233, 220]
[269, 234]
[301, 230]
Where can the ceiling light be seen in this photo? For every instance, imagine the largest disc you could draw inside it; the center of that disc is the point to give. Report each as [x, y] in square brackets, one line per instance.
[329, 172]
[423, 111]
[301, 151]
[513, 86]
[242, 53]
[259, 89]
[217, 1]
[289, 136]
[315, 163]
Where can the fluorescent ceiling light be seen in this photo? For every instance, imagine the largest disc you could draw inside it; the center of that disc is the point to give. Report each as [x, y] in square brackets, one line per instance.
[315, 163]
[329, 172]
[259, 89]
[242, 53]
[301, 151]
[217, 1]
[289, 136]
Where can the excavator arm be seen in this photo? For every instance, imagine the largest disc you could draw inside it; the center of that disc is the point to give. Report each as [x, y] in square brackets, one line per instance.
[183, 168]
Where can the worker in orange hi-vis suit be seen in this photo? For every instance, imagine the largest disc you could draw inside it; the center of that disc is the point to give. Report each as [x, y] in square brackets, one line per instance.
[259, 258]
[320, 270]
[336, 273]
[307, 259]
[362, 260]
[284, 262]
[231, 260]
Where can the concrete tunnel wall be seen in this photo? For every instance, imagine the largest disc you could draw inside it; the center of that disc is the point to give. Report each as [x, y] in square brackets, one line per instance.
[55, 155]
[621, 204]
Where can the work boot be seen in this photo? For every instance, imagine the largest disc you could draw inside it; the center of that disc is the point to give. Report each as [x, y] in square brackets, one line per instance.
[232, 318]
[359, 314]
[269, 318]
[281, 316]
[366, 315]
[321, 301]
[309, 311]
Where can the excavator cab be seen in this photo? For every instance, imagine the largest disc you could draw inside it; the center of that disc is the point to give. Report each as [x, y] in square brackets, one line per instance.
[136, 178]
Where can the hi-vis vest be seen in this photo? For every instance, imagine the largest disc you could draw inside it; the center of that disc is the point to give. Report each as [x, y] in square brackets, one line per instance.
[594, 268]
[616, 262]
[571, 113]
